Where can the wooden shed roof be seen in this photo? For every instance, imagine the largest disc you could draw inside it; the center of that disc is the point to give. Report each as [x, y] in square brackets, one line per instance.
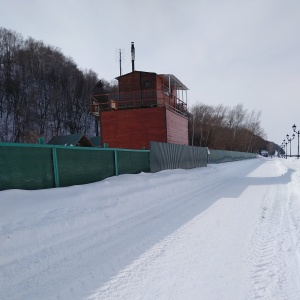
[77, 139]
[178, 85]
[96, 141]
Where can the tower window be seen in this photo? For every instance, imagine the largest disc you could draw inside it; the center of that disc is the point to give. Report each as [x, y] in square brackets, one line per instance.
[147, 84]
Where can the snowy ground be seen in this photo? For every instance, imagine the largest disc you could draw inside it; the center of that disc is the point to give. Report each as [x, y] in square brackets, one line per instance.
[228, 231]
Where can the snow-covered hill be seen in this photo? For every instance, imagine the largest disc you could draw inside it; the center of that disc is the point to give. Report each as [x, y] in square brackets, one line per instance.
[228, 231]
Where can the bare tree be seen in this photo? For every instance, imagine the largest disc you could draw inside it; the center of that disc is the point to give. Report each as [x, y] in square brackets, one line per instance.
[225, 128]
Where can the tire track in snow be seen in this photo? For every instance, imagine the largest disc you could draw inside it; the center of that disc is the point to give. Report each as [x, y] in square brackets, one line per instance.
[271, 259]
[264, 242]
[293, 229]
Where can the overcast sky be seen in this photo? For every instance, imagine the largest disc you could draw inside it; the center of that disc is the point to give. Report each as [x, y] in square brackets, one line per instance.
[225, 52]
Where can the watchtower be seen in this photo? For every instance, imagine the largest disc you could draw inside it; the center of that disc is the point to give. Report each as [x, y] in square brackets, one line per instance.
[147, 107]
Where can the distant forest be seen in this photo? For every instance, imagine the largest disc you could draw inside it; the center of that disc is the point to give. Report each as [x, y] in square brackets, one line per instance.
[44, 93]
[226, 128]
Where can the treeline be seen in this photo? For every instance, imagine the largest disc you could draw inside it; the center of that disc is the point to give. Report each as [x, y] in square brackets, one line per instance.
[226, 128]
[42, 92]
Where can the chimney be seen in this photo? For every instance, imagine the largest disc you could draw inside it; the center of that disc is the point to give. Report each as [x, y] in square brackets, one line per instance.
[132, 55]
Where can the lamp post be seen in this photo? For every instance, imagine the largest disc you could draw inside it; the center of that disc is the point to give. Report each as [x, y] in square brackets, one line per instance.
[297, 132]
[282, 148]
[285, 148]
[290, 141]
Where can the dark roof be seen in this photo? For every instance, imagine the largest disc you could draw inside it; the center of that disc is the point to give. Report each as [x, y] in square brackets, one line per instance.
[135, 71]
[77, 139]
[175, 82]
[96, 141]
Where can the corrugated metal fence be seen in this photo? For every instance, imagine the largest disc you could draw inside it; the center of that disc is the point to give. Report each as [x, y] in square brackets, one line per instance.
[30, 166]
[171, 156]
[221, 156]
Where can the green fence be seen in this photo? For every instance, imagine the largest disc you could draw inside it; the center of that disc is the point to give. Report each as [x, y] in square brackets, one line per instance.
[221, 156]
[31, 166]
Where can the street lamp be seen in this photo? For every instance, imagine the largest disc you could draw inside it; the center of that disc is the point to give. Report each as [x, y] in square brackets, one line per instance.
[290, 141]
[286, 142]
[282, 149]
[285, 149]
[297, 132]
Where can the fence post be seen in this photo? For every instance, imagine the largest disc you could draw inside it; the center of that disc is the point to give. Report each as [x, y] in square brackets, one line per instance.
[116, 163]
[55, 167]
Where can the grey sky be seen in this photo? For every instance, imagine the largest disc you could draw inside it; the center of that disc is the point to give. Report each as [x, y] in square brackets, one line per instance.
[225, 52]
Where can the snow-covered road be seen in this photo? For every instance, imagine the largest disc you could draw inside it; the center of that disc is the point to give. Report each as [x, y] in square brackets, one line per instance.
[228, 231]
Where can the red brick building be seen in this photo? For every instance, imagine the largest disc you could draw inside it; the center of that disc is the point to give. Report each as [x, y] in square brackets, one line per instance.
[147, 107]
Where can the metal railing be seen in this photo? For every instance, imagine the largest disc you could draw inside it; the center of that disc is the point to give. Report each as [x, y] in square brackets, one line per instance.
[137, 99]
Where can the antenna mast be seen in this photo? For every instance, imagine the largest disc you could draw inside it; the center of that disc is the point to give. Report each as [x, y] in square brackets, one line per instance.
[132, 55]
[120, 61]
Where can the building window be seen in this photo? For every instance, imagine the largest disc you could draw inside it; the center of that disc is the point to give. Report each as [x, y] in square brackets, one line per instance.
[147, 84]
